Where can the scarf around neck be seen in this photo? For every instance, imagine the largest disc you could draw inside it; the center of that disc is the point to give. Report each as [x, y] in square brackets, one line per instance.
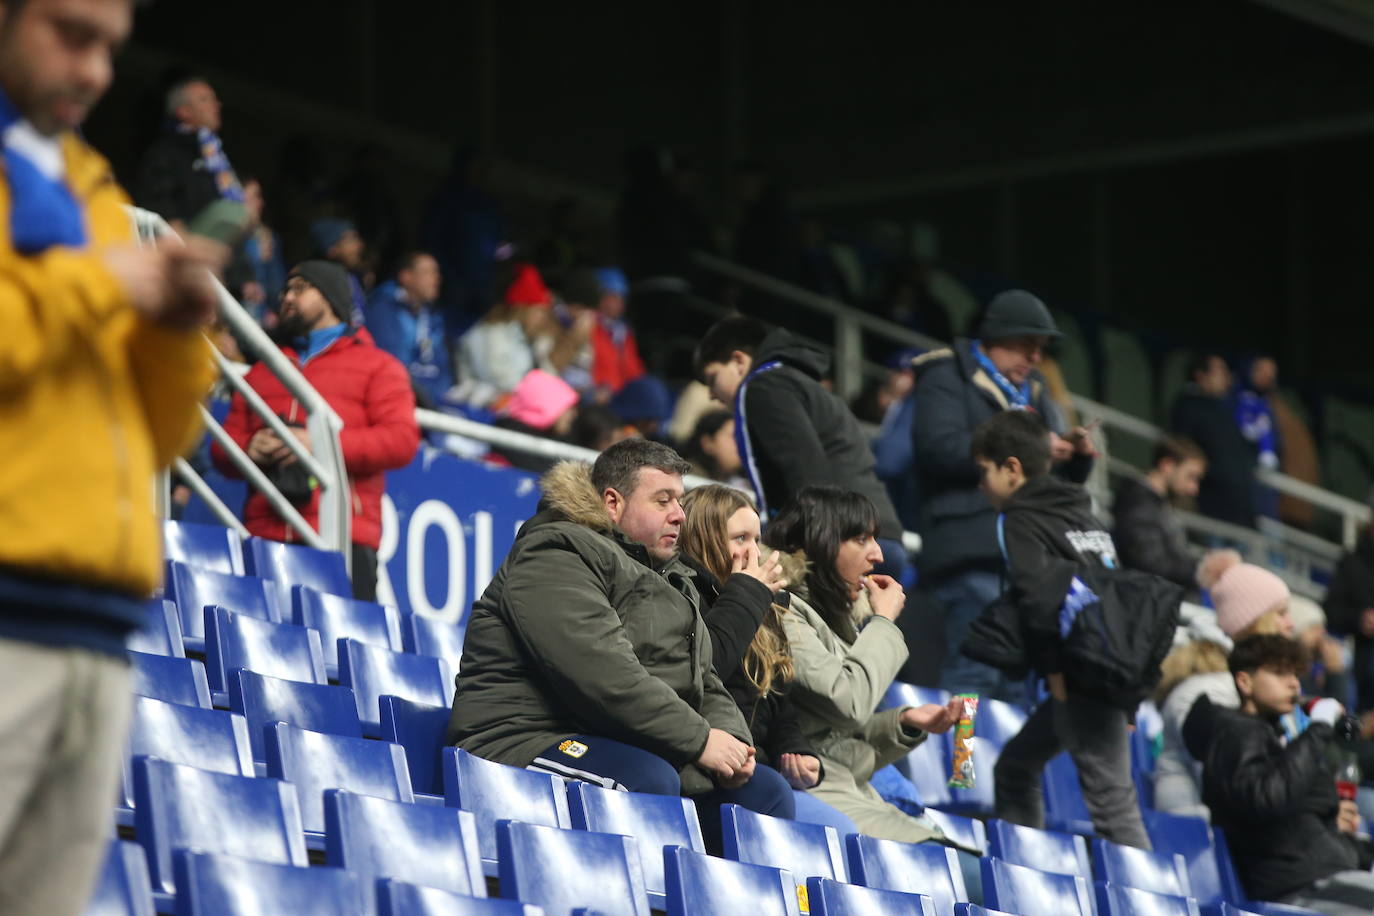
[43, 211]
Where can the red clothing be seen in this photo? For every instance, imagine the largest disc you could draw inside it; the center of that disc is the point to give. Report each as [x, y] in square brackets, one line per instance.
[614, 367]
[370, 391]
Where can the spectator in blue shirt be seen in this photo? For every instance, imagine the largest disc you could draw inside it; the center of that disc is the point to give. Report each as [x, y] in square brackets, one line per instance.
[403, 320]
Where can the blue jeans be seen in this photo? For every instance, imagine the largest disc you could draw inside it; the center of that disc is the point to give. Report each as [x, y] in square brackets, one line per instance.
[964, 597]
[811, 810]
[615, 765]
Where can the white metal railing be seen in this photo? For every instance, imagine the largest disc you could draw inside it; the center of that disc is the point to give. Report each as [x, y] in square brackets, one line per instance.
[852, 323]
[323, 459]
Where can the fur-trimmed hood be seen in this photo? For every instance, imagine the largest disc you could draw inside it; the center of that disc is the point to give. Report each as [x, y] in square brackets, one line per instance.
[569, 493]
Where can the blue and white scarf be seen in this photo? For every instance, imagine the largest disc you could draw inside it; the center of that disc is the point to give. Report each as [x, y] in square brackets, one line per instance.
[216, 162]
[43, 211]
[1018, 397]
[746, 448]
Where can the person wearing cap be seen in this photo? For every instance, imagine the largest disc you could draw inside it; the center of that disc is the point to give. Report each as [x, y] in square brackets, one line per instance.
[515, 336]
[367, 387]
[615, 352]
[338, 240]
[957, 388]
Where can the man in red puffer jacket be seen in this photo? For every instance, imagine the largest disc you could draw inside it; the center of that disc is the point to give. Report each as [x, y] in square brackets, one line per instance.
[367, 387]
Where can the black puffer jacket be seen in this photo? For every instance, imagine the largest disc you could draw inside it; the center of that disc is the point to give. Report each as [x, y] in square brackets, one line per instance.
[953, 396]
[1148, 535]
[802, 433]
[1227, 490]
[733, 613]
[1351, 592]
[172, 178]
[1277, 804]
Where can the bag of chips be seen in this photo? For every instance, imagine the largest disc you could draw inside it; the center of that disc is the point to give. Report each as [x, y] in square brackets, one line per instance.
[962, 766]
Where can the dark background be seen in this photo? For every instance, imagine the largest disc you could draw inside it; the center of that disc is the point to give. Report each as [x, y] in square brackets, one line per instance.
[1195, 171]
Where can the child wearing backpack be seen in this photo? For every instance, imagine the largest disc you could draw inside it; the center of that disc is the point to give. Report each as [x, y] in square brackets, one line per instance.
[1051, 543]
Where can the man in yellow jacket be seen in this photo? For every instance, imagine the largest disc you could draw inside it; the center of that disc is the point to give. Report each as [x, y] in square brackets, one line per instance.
[101, 367]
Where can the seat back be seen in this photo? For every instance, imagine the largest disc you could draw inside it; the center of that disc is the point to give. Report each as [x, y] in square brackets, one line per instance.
[1192, 838]
[435, 638]
[656, 821]
[337, 617]
[262, 700]
[373, 671]
[420, 729]
[195, 589]
[927, 766]
[806, 850]
[182, 807]
[207, 739]
[698, 883]
[212, 547]
[396, 898]
[565, 870]
[230, 886]
[494, 791]
[418, 844]
[170, 679]
[912, 868]
[1118, 900]
[314, 762]
[1045, 850]
[1159, 872]
[1065, 807]
[831, 898]
[275, 649]
[161, 632]
[1031, 892]
[122, 888]
[968, 831]
[297, 564]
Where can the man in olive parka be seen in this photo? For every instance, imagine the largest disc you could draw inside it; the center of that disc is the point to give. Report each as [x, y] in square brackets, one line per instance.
[587, 656]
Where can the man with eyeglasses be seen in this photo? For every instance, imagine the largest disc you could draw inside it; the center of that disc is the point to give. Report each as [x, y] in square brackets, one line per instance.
[956, 390]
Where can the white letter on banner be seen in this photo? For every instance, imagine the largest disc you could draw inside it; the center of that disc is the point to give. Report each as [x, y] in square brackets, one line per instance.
[435, 512]
[386, 550]
[481, 552]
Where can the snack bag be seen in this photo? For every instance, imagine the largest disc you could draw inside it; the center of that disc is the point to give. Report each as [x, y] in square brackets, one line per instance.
[962, 767]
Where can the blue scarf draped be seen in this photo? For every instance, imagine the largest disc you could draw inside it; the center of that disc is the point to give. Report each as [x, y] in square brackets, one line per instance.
[43, 211]
[311, 347]
[1256, 420]
[1018, 397]
[746, 449]
[216, 162]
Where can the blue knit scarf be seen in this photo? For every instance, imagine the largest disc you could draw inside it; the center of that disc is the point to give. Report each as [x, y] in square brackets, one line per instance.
[43, 212]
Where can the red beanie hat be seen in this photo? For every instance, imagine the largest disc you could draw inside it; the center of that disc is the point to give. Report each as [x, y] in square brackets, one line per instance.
[528, 289]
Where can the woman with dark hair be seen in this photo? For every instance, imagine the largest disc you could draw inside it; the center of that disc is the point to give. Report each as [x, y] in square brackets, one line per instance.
[846, 648]
[742, 607]
[712, 450]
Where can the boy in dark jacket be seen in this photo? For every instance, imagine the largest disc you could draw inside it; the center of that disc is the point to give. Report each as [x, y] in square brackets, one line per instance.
[1046, 524]
[1292, 838]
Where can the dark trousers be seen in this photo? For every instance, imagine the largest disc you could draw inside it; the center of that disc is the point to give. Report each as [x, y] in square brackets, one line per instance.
[364, 573]
[614, 765]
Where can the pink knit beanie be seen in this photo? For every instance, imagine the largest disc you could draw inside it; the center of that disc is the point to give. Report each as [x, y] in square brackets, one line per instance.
[540, 399]
[1242, 595]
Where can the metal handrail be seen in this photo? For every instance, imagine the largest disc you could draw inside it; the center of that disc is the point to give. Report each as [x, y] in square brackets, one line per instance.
[188, 475]
[849, 321]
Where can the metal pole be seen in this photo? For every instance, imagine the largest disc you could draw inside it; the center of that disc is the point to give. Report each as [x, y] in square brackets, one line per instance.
[188, 476]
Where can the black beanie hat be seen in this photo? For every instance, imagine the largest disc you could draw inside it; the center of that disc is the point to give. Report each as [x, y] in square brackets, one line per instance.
[332, 281]
[1017, 313]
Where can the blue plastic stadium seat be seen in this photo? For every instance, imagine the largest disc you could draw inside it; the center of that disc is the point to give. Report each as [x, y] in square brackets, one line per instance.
[425, 635]
[1234, 892]
[1192, 838]
[208, 739]
[373, 671]
[1158, 872]
[912, 868]
[698, 883]
[336, 617]
[494, 791]
[973, 909]
[263, 700]
[171, 679]
[417, 844]
[996, 724]
[656, 821]
[927, 766]
[195, 589]
[314, 762]
[1118, 900]
[182, 807]
[297, 564]
[420, 729]
[1030, 892]
[969, 831]
[900, 693]
[275, 649]
[831, 898]
[1264, 909]
[218, 885]
[1044, 850]
[212, 547]
[1065, 808]
[161, 634]
[806, 850]
[122, 888]
[567, 870]
[396, 898]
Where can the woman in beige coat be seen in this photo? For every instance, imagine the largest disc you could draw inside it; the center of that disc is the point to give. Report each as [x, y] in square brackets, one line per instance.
[847, 649]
